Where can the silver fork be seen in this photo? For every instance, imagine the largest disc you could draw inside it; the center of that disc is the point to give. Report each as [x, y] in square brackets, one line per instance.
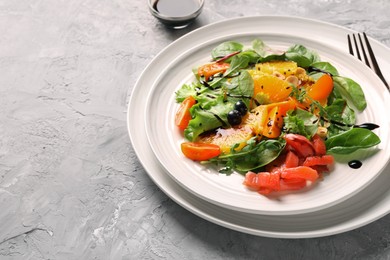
[371, 60]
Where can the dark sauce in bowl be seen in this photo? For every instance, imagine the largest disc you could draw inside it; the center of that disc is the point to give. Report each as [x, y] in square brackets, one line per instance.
[176, 13]
[176, 8]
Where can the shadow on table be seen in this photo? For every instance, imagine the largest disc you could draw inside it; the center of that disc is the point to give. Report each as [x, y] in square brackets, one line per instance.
[177, 33]
[366, 242]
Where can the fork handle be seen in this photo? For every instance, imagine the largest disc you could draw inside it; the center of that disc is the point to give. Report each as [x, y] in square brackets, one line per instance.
[374, 61]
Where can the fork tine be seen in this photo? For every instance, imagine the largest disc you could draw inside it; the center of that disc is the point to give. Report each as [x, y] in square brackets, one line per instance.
[356, 47]
[373, 60]
[371, 57]
[364, 53]
[350, 45]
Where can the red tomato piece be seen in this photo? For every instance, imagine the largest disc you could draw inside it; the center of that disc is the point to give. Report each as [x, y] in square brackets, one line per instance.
[264, 191]
[274, 181]
[292, 160]
[320, 168]
[301, 145]
[264, 182]
[300, 172]
[200, 151]
[297, 137]
[211, 69]
[318, 160]
[251, 180]
[318, 145]
[292, 184]
[183, 115]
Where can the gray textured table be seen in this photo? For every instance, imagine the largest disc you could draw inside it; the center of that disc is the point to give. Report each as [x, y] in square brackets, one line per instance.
[71, 185]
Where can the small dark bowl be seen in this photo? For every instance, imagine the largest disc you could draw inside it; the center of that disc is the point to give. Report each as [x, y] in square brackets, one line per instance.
[175, 22]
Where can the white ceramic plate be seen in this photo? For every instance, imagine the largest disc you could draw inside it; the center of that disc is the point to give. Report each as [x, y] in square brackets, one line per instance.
[228, 191]
[368, 205]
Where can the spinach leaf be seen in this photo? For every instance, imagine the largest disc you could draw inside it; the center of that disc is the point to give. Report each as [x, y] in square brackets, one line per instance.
[216, 82]
[220, 110]
[251, 55]
[225, 48]
[351, 91]
[316, 75]
[334, 95]
[237, 63]
[351, 141]
[339, 111]
[260, 47]
[265, 52]
[241, 88]
[301, 122]
[302, 56]
[325, 67]
[252, 156]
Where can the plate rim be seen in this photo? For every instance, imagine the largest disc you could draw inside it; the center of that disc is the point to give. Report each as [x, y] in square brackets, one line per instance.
[169, 191]
[226, 199]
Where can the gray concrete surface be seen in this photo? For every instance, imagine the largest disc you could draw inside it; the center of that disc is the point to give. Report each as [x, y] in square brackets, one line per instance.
[71, 186]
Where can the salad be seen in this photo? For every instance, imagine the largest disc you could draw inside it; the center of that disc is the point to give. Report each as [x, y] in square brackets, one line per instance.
[277, 117]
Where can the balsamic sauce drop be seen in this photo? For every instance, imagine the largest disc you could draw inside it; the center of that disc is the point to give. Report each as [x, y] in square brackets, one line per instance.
[355, 164]
[368, 126]
[176, 8]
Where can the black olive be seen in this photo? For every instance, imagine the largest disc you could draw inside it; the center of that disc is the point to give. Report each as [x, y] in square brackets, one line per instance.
[241, 107]
[234, 117]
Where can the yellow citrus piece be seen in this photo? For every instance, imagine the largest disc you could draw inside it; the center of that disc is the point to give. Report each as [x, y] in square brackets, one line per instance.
[267, 120]
[256, 119]
[274, 124]
[285, 68]
[226, 138]
[270, 89]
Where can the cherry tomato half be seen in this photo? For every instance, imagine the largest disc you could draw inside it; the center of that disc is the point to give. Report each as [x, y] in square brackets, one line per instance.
[211, 69]
[183, 115]
[200, 151]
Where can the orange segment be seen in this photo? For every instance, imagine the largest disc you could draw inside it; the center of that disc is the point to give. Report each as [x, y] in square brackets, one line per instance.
[274, 124]
[321, 89]
[304, 105]
[285, 68]
[226, 138]
[270, 89]
[284, 106]
[260, 116]
[256, 119]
